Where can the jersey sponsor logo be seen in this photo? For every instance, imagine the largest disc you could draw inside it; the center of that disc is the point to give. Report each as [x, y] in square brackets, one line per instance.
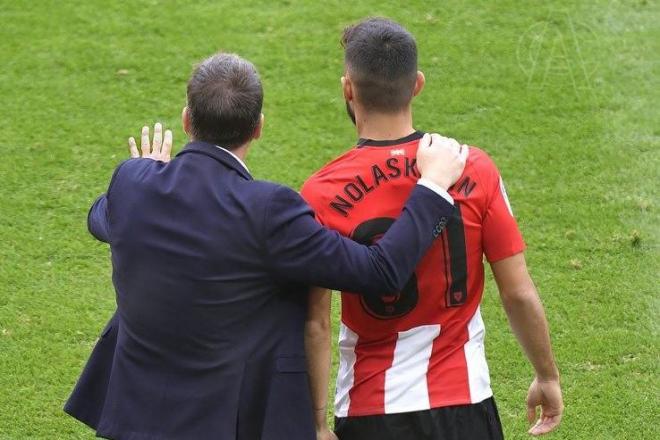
[355, 191]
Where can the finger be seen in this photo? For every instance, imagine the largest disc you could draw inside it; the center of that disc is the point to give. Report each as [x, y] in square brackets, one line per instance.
[533, 430]
[553, 422]
[425, 141]
[132, 147]
[144, 141]
[449, 143]
[545, 426]
[465, 150]
[453, 144]
[436, 140]
[531, 413]
[167, 146]
[158, 138]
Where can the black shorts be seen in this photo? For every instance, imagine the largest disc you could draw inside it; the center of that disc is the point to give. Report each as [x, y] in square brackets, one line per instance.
[479, 421]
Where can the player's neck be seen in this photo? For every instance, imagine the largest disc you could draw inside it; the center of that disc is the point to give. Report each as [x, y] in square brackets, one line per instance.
[381, 126]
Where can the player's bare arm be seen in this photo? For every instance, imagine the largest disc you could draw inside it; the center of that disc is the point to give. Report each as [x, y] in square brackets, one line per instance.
[528, 322]
[318, 352]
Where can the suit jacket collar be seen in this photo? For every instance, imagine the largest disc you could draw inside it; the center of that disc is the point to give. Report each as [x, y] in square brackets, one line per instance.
[218, 154]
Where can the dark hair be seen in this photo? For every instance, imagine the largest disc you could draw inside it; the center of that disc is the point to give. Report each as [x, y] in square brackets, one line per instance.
[381, 58]
[224, 100]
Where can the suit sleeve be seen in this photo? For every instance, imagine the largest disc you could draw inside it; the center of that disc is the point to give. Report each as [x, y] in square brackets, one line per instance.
[299, 249]
[97, 219]
[98, 222]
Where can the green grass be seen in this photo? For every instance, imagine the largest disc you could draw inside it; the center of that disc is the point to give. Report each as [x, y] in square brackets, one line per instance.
[562, 94]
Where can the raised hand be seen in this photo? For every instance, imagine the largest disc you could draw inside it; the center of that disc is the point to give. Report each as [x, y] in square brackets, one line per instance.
[547, 395]
[159, 149]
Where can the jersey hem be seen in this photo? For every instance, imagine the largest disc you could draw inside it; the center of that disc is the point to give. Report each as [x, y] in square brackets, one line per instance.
[378, 411]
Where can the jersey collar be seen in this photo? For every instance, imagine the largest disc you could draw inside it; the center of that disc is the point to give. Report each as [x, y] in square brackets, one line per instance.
[389, 142]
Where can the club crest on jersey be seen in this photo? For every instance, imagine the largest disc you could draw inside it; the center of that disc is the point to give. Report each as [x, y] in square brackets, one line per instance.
[398, 152]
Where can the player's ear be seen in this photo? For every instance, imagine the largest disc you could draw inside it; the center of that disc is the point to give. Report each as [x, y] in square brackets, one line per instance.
[347, 87]
[258, 128]
[419, 83]
[186, 122]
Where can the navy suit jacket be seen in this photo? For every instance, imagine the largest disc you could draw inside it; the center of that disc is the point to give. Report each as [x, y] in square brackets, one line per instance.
[211, 269]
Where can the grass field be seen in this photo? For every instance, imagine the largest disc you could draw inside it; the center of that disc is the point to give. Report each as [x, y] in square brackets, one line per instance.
[563, 94]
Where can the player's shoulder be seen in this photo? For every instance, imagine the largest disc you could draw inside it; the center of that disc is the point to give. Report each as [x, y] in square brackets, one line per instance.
[480, 163]
[318, 180]
[479, 157]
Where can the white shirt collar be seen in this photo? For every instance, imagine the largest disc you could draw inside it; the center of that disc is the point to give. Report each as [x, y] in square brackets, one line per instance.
[235, 157]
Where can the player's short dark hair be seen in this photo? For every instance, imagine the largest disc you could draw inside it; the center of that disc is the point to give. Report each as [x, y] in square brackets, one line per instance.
[224, 100]
[381, 59]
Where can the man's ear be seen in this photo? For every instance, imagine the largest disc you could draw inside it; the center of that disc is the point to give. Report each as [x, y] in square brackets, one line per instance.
[258, 129]
[419, 83]
[347, 87]
[186, 122]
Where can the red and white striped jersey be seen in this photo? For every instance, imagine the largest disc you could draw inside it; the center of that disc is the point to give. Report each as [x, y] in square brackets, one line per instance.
[423, 347]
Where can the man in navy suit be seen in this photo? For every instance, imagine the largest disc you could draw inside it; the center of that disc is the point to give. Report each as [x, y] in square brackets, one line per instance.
[211, 270]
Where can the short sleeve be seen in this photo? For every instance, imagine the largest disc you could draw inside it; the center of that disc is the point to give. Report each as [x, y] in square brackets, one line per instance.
[500, 234]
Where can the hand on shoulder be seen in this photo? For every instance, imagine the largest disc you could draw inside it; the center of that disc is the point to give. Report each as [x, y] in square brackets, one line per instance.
[441, 159]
